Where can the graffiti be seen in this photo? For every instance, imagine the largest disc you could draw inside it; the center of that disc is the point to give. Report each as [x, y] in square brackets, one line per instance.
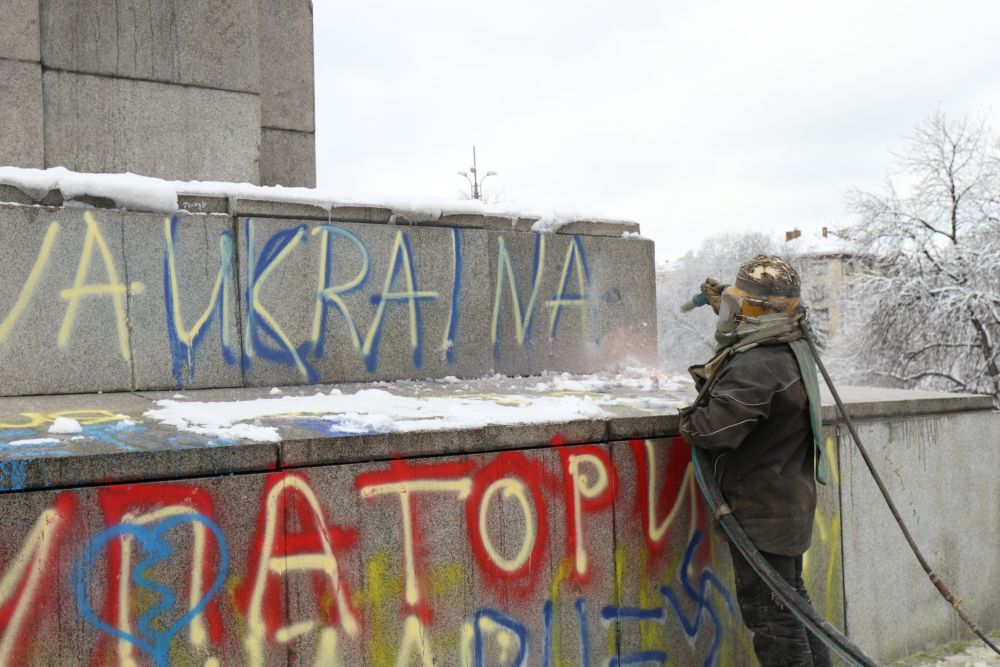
[28, 288]
[86, 417]
[575, 262]
[28, 575]
[261, 323]
[113, 288]
[154, 641]
[184, 342]
[506, 559]
[590, 486]
[81, 289]
[401, 258]
[151, 509]
[494, 622]
[276, 553]
[331, 296]
[365, 290]
[522, 316]
[699, 596]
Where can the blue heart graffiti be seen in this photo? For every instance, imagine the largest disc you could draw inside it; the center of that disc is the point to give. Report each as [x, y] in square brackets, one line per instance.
[151, 538]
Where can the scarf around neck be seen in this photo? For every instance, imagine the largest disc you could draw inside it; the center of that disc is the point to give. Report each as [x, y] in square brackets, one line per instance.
[770, 329]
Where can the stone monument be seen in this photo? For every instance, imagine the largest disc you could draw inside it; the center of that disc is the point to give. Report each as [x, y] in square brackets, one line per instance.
[187, 90]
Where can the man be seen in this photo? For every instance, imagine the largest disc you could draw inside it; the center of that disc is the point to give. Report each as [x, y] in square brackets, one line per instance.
[757, 413]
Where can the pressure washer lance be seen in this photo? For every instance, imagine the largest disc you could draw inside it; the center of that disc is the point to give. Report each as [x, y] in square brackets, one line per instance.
[956, 603]
[699, 300]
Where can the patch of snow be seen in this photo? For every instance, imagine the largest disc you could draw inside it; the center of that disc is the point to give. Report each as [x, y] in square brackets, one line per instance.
[553, 220]
[180, 396]
[65, 425]
[358, 423]
[143, 193]
[34, 441]
[372, 409]
[275, 391]
[130, 191]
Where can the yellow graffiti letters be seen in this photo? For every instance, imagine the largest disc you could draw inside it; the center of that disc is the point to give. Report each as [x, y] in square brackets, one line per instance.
[574, 259]
[657, 530]
[274, 560]
[400, 254]
[583, 487]
[405, 490]
[416, 642]
[333, 294]
[505, 267]
[23, 579]
[196, 631]
[114, 287]
[221, 290]
[28, 289]
[85, 417]
[257, 308]
[509, 488]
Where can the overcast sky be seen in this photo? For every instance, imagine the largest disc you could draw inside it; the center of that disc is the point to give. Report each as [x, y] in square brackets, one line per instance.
[692, 118]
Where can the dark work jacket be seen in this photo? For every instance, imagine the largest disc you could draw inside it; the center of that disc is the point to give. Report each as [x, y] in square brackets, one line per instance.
[756, 425]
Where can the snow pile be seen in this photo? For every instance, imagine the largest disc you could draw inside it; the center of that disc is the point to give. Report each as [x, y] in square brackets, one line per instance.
[640, 379]
[143, 193]
[34, 441]
[65, 425]
[370, 411]
[130, 191]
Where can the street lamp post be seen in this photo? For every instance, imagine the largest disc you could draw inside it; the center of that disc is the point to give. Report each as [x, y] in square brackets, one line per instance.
[476, 183]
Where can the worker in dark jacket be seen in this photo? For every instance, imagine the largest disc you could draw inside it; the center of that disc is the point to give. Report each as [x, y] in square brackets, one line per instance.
[758, 414]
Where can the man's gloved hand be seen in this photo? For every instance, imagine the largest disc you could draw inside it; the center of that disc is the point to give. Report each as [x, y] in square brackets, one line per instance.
[712, 289]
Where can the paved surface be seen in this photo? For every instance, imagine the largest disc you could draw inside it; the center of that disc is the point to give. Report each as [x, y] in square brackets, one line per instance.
[974, 655]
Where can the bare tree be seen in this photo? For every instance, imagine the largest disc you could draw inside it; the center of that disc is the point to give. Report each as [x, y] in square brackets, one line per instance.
[688, 338]
[929, 297]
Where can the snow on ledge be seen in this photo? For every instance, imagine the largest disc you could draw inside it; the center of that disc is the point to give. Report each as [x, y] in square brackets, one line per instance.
[144, 193]
[385, 408]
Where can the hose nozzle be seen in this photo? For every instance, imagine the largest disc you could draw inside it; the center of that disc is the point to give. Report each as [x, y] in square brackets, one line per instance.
[701, 298]
[696, 301]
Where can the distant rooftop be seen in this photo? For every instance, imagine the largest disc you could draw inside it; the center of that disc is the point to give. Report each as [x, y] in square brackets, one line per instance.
[824, 244]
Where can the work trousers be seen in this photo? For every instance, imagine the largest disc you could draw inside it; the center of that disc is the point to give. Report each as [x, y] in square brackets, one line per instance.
[779, 639]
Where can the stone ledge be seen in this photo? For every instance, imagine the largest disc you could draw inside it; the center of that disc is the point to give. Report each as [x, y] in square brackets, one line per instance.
[263, 208]
[885, 403]
[120, 444]
[600, 228]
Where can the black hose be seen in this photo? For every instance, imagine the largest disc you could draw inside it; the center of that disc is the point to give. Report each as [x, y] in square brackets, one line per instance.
[938, 584]
[789, 597]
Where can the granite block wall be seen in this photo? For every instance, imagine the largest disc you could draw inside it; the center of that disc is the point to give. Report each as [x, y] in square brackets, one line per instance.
[112, 300]
[206, 90]
[569, 555]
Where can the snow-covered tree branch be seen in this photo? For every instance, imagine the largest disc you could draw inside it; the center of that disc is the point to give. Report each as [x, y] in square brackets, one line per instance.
[928, 303]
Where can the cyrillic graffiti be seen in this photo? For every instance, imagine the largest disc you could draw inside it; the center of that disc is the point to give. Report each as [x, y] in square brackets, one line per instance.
[203, 307]
[163, 580]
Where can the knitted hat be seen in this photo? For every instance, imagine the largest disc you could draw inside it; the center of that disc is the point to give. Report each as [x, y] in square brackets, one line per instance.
[768, 275]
